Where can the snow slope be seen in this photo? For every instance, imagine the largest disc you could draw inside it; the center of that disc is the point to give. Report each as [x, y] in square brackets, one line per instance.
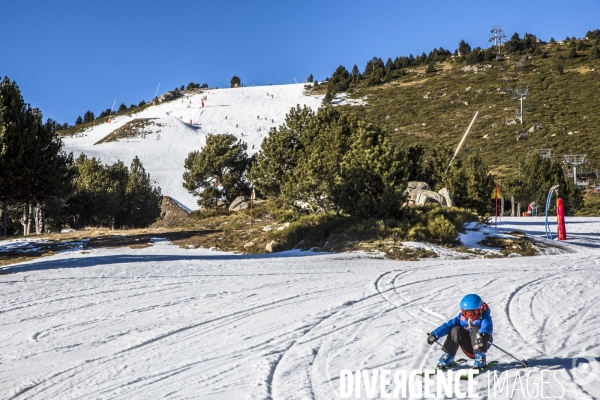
[164, 148]
[168, 322]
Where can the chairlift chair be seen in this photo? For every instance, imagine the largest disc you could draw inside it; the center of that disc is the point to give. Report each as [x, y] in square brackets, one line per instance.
[583, 182]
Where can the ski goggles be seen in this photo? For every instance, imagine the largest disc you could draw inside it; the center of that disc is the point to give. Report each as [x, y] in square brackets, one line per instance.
[471, 314]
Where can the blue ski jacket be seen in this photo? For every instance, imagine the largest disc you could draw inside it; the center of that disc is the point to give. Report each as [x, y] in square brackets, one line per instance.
[484, 323]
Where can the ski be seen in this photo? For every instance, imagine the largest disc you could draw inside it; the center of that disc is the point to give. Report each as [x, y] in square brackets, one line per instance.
[457, 363]
[489, 366]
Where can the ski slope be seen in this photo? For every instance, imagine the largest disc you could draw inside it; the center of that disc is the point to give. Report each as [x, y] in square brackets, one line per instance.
[247, 112]
[165, 322]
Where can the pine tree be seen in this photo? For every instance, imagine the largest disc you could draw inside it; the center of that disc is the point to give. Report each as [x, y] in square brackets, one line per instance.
[235, 82]
[79, 120]
[471, 184]
[372, 176]
[122, 108]
[142, 199]
[595, 53]
[463, 48]
[42, 173]
[572, 53]
[278, 156]
[355, 73]
[222, 161]
[310, 79]
[88, 117]
[536, 176]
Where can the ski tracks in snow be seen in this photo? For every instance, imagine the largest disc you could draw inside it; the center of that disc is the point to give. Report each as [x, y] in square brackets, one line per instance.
[278, 328]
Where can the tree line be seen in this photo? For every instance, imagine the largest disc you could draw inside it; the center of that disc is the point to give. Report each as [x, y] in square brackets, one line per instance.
[42, 188]
[332, 161]
[377, 72]
[89, 116]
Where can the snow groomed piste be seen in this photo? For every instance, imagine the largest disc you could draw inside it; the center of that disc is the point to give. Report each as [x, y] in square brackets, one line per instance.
[181, 126]
[169, 322]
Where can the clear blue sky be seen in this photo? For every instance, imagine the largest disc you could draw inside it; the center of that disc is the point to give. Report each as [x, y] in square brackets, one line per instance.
[69, 56]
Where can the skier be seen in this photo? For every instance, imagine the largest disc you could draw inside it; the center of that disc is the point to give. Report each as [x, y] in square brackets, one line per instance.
[471, 329]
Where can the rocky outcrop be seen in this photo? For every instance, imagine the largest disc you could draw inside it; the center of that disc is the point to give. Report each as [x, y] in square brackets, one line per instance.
[420, 193]
[241, 203]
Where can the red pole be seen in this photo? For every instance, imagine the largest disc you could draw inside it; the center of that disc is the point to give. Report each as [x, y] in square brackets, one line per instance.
[560, 216]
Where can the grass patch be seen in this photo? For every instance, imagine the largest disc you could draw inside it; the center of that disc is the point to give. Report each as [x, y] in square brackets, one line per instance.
[132, 129]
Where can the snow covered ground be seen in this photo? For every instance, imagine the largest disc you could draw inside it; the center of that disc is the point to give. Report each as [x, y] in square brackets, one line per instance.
[248, 113]
[164, 322]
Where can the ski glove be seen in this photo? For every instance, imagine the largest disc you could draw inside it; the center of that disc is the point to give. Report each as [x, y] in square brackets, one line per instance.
[431, 339]
[481, 339]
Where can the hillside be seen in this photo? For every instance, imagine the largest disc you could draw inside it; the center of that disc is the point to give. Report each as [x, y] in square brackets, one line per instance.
[415, 106]
[162, 136]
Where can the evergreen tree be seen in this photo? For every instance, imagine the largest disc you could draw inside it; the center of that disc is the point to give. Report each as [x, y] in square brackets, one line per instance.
[88, 117]
[218, 171]
[372, 176]
[235, 82]
[141, 103]
[95, 199]
[355, 73]
[536, 176]
[122, 108]
[278, 157]
[595, 53]
[142, 200]
[572, 53]
[79, 120]
[463, 48]
[471, 184]
[310, 79]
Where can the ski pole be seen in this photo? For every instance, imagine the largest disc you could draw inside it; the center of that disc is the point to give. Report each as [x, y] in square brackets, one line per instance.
[524, 363]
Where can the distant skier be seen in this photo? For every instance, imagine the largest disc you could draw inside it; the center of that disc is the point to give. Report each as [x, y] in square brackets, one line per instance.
[202, 103]
[258, 117]
[471, 330]
[236, 125]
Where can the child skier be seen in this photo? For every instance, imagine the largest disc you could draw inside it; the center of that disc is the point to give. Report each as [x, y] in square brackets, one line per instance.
[471, 329]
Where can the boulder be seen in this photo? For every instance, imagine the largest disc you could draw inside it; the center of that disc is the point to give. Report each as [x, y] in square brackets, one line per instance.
[244, 205]
[448, 197]
[236, 202]
[414, 185]
[428, 196]
[270, 246]
[420, 193]
[241, 203]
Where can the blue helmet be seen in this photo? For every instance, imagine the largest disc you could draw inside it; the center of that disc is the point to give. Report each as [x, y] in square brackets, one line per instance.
[471, 302]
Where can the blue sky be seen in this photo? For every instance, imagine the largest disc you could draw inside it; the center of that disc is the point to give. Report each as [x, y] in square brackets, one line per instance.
[72, 56]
